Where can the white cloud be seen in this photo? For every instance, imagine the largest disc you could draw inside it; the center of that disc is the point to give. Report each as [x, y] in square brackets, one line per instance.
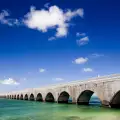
[58, 79]
[9, 81]
[87, 69]
[70, 14]
[51, 18]
[96, 55]
[80, 34]
[51, 38]
[47, 5]
[80, 60]
[54, 18]
[62, 31]
[8, 21]
[41, 70]
[83, 41]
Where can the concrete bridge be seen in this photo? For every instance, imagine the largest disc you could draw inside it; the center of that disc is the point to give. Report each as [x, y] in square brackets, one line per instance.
[107, 88]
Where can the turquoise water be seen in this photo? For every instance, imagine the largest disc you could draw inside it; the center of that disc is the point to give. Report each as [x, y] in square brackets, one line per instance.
[28, 110]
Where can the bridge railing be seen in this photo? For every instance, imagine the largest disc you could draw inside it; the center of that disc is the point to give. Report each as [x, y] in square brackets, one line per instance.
[112, 77]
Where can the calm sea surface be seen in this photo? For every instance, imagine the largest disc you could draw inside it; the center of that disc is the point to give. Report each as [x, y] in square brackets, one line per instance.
[27, 110]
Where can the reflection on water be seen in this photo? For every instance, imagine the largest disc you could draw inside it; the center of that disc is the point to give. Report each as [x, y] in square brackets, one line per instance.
[27, 110]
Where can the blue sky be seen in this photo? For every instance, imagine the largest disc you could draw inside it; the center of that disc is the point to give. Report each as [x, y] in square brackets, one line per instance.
[45, 42]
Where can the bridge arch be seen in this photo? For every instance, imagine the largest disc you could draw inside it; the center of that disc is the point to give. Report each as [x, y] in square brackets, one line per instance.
[26, 97]
[21, 97]
[39, 97]
[115, 101]
[63, 97]
[32, 98]
[49, 97]
[17, 97]
[85, 97]
[10, 96]
[14, 96]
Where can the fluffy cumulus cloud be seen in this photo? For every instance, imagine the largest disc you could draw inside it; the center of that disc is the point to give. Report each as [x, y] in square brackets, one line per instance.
[53, 17]
[4, 19]
[9, 81]
[41, 70]
[83, 41]
[87, 70]
[80, 60]
[58, 79]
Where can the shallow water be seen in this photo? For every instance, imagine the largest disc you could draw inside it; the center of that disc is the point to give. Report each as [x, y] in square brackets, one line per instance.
[28, 110]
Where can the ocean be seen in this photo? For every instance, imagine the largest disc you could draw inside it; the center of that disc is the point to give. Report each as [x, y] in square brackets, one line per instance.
[32, 110]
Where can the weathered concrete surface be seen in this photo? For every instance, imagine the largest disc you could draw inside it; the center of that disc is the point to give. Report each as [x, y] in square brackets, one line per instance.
[105, 87]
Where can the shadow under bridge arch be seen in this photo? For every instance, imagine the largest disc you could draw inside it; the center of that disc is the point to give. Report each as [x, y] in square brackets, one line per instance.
[21, 97]
[26, 97]
[49, 97]
[39, 97]
[14, 96]
[63, 97]
[31, 97]
[17, 97]
[88, 97]
[115, 102]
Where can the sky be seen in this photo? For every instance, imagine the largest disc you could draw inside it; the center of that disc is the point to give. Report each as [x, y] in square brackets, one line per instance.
[45, 42]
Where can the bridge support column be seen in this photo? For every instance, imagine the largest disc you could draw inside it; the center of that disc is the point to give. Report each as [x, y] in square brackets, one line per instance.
[74, 101]
[105, 103]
